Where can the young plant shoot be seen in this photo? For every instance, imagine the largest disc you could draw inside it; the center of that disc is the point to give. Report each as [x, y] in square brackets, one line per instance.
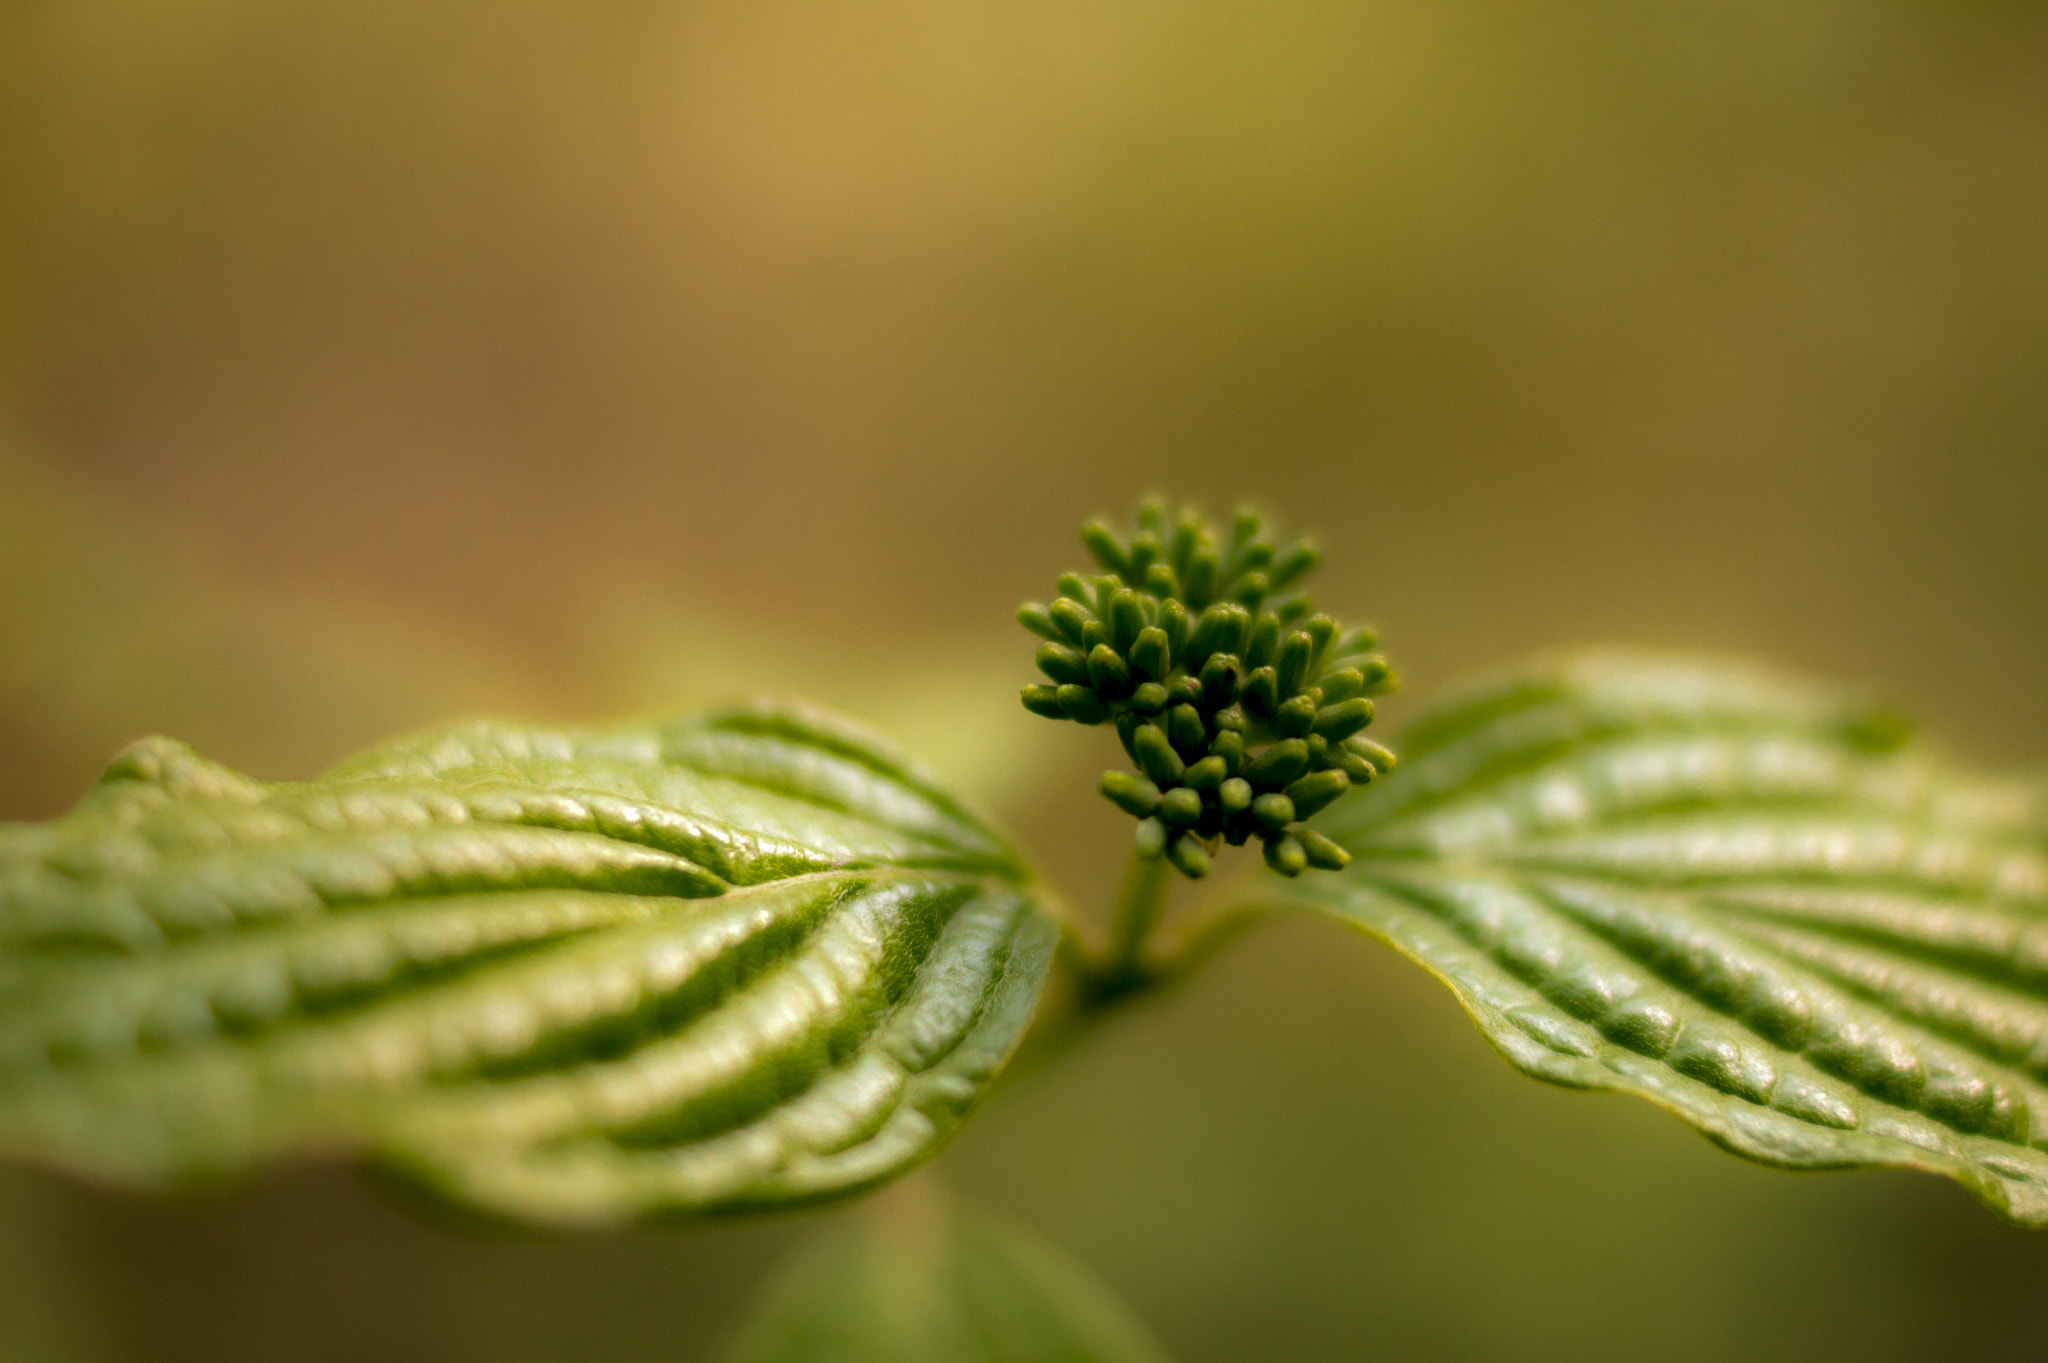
[754, 959]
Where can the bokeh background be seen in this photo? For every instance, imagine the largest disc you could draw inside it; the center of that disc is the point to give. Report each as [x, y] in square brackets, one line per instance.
[366, 365]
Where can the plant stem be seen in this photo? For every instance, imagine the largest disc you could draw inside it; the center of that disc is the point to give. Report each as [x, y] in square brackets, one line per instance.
[1100, 990]
[1138, 905]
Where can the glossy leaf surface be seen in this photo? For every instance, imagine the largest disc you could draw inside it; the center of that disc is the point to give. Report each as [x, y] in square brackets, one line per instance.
[914, 1282]
[741, 960]
[1749, 899]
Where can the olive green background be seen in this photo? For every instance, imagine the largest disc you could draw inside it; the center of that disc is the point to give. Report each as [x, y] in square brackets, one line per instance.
[363, 366]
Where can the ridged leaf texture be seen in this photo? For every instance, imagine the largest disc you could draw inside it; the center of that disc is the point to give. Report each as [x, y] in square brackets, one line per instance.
[739, 960]
[917, 1282]
[1749, 899]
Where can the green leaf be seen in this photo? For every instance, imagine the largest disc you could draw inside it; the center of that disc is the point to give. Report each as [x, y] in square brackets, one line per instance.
[741, 960]
[1749, 899]
[914, 1282]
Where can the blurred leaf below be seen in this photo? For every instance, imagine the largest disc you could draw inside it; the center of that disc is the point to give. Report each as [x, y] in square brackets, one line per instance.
[915, 1280]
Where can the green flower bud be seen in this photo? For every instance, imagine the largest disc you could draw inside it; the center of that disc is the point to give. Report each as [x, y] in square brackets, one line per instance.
[1299, 560]
[1265, 641]
[1316, 791]
[1157, 756]
[1286, 855]
[1108, 550]
[1126, 731]
[1295, 717]
[1198, 584]
[1219, 679]
[1297, 650]
[1063, 664]
[1150, 839]
[1380, 757]
[1189, 648]
[1376, 671]
[1206, 774]
[1044, 700]
[1109, 672]
[1339, 722]
[1342, 685]
[1273, 812]
[1260, 694]
[1178, 625]
[1357, 768]
[1357, 639]
[1322, 632]
[1126, 619]
[1082, 705]
[1188, 857]
[1188, 530]
[1034, 616]
[1144, 553]
[1151, 656]
[1181, 807]
[1222, 628]
[1245, 524]
[1150, 697]
[1130, 792]
[1070, 618]
[1321, 851]
[1278, 765]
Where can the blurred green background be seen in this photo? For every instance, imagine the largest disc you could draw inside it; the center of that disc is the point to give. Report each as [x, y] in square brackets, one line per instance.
[365, 365]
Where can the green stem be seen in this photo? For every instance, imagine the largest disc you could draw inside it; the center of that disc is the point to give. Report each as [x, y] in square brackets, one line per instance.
[1099, 991]
[1138, 905]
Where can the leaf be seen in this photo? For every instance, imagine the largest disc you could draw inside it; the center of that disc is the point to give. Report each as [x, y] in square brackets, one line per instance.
[914, 1282]
[741, 960]
[1746, 898]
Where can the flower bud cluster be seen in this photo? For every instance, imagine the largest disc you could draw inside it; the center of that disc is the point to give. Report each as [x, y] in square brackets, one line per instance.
[1241, 707]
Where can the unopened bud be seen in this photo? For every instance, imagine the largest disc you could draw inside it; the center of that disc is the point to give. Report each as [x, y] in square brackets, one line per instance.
[1286, 855]
[1150, 839]
[1295, 717]
[1278, 765]
[1188, 857]
[1260, 694]
[1151, 655]
[1181, 807]
[1044, 700]
[1063, 664]
[1316, 791]
[1108, 550]
[1321, 851]
[1110, 673]
[1339, 722]
[1157, 756]
[1273, 812]
[1130, 792]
